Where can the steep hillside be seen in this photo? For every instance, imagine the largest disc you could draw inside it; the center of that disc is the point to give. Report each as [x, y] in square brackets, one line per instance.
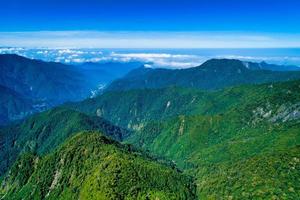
[211, 75]
[227, 139]
[43, 132]
[250, 150]
[273, 175]
[131, 109]
[90, 166]
[247, 111]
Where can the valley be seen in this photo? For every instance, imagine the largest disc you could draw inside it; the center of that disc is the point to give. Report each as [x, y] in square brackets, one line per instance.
[222, 130]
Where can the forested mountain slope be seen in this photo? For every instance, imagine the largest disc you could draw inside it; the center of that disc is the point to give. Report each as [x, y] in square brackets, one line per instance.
[239, 142]
[90, 166]
[43, 132]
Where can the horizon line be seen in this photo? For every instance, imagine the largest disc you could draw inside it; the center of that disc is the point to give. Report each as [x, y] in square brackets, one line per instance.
[149, 39]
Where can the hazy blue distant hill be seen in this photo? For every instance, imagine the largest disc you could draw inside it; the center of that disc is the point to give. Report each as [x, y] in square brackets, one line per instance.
[52, 82]
[13, 106]
[104, 73]
[273, 67]
[211, 75]
[47, 84]
[57, 82]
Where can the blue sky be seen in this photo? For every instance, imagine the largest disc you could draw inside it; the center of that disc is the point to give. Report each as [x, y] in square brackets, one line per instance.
[134, 23]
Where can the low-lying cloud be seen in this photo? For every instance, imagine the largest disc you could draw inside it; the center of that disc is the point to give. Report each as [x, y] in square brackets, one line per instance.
[148, 39]
[153, 58]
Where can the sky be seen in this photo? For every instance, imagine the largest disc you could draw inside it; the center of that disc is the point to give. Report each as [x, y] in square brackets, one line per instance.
[150, 23]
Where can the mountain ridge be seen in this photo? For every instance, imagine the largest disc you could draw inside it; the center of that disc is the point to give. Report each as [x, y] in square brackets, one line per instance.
[90, 166]
[213, 74]
[44, 131]
[48, 84]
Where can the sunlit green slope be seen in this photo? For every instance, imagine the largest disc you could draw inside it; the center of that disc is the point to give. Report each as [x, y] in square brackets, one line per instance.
[45, 131]
[90, 166]
[233, 134]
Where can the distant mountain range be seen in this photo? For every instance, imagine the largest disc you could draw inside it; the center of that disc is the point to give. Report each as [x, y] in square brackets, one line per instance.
[211, 75]
[34, 85]
[30, 86]
[104, 73]
[273, 67]
[13, 106]
[53, 82]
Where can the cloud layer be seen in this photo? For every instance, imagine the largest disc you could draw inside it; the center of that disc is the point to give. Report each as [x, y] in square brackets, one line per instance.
[97, 39]
[157, 58]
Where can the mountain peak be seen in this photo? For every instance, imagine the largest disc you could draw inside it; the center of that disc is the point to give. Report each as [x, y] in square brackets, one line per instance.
[211, 75]
[223, 64]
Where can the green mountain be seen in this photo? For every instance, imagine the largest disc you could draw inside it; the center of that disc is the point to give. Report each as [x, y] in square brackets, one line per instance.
[211, 75]
[247, 152]
[90, 166]
[239, 143]
[131, 109]
[43, 132]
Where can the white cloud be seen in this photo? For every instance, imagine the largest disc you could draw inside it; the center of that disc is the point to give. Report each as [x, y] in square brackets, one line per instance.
[148, 66]
[153, 58]
[151, 55]
[161, 59]
[96, 39]
[271, 59]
